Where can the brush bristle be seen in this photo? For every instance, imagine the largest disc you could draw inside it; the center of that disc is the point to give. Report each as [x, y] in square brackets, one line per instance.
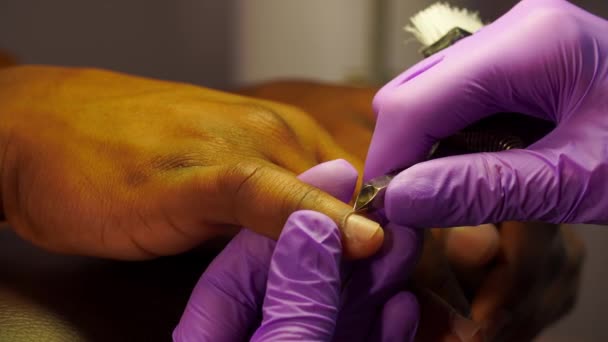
[432, 23]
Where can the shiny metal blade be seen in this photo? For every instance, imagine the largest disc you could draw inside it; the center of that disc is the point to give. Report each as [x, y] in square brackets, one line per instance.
[371, 195]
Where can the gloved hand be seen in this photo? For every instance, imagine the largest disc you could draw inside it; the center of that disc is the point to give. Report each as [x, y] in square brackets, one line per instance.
[545, 58]
[299, 284]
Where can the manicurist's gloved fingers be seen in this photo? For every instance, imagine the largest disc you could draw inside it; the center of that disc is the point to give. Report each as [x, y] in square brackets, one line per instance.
[261, 196]
[518, 185]
[303, 292]
[225, 304]
[398, 320]
[542, 59]
[370, 283]
[502, 68]
[413, 114]
[438, 98]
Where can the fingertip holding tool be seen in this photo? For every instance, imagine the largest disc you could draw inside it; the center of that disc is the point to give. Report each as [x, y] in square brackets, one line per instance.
[372, 193]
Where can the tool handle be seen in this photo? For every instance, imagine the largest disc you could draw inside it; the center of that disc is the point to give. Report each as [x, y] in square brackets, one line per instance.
[499, 132]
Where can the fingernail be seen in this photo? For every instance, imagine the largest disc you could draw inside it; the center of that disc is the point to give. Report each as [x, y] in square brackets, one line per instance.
[463, 327]
[360, 229]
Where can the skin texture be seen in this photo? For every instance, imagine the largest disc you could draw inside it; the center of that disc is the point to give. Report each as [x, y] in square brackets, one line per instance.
[345, 111]
[106, 164]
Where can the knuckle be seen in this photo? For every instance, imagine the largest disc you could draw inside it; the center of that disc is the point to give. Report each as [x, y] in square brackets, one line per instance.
[310, 198]
[136, 176]
[269, 122]
[177, 160]
[242, 175]
[298, 198]
[243, 182]
[252, 182]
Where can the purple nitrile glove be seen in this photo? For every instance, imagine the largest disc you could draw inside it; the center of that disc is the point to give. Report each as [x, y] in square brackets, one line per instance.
[303, 295]
[544, 58]
[226, 304]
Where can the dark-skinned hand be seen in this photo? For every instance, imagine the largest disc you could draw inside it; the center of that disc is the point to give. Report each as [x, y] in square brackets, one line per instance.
[106, 164]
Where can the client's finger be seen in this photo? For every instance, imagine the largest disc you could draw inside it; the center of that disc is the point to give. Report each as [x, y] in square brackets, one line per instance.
[261, 196]
[470, 247]
[225, 304]
[469, 252]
